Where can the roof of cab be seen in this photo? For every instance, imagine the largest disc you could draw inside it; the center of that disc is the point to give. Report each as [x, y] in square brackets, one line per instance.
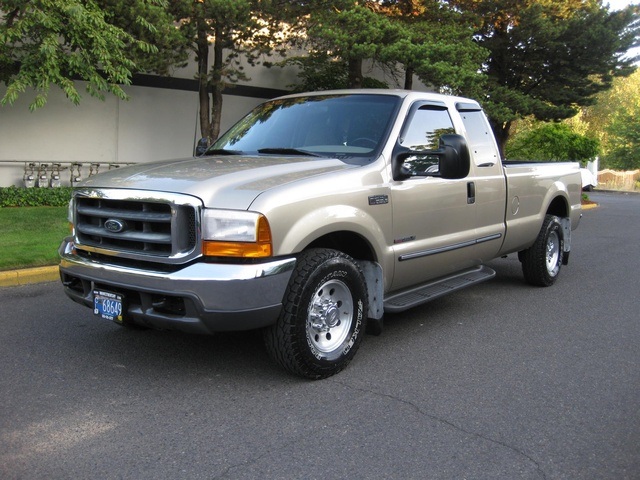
[447, 99]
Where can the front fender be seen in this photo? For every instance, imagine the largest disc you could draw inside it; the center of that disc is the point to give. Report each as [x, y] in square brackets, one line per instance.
[330, 219]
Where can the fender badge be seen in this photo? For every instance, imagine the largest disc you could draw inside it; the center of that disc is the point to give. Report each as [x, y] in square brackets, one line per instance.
[378, 199]
[410, 238]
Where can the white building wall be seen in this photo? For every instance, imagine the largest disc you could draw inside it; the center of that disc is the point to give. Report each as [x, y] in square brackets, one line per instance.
[155, 124]
[58, 132]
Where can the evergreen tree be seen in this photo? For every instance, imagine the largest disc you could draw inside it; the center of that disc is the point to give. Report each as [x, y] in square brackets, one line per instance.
[548, 57]
[232, 30]
[339, 37]
[437, 46]
[404, 38]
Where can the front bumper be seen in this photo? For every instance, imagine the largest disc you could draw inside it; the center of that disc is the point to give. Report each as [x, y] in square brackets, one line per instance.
[199, 298]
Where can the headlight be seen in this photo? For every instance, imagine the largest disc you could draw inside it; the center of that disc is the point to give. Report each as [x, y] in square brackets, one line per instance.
[233, 233]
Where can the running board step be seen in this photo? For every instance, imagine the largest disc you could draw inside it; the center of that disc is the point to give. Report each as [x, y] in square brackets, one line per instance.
[425, 293]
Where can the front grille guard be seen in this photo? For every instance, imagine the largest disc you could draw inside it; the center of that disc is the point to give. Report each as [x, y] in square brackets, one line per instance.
[137, 224]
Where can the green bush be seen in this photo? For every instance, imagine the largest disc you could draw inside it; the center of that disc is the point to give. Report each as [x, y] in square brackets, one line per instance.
[552, 142]
[34, 197]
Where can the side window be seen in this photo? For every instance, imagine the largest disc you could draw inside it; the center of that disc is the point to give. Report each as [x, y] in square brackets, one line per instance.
[479, 137]
[422, 133]
[425, 128]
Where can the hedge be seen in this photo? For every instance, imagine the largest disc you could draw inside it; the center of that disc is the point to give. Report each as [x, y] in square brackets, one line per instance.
[34, 197]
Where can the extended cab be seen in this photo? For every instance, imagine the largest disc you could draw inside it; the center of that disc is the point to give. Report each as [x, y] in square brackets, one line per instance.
[311, 217]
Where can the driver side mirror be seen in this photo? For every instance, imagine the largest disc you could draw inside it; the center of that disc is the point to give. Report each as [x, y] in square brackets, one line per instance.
[451, 158]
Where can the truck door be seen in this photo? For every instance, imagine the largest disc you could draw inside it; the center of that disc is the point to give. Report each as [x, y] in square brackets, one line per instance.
[489, 182]
[433, 220]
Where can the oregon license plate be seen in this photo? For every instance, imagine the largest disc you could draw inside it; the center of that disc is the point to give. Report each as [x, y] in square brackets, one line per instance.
[108, 305]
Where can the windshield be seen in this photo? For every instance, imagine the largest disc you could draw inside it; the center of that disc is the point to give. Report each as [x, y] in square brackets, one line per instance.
[328, 125]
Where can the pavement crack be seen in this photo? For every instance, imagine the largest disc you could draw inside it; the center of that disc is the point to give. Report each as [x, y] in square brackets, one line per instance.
[226, 472]
[448, 423]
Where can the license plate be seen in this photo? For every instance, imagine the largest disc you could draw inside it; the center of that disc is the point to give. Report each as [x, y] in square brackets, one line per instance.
[108, 305]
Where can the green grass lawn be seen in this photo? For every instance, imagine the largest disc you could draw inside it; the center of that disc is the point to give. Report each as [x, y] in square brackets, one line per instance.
[30, 236]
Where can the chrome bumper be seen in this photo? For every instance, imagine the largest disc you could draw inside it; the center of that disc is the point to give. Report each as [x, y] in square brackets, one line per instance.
[200, 298]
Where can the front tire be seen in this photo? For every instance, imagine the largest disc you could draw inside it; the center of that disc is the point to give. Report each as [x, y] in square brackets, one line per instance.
[323, 316]
[542, 261]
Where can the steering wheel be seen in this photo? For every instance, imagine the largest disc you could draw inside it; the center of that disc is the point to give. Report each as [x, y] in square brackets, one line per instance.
[364, 142]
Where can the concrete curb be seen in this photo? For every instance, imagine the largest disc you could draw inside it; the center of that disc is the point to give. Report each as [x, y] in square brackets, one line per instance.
[13, 278]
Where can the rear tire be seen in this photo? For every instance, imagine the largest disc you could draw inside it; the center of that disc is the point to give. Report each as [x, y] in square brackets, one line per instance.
[323, 316]
[541, 263]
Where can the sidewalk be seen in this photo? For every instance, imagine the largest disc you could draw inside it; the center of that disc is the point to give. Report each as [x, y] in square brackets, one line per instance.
[12, 278]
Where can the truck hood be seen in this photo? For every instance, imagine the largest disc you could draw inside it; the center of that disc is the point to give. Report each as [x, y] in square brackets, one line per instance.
[231, 181]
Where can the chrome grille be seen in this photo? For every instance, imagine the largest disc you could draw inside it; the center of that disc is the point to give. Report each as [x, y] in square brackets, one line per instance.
[135, 227]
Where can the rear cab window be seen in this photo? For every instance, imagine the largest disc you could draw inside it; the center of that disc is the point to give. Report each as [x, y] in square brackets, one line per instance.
[480, 138]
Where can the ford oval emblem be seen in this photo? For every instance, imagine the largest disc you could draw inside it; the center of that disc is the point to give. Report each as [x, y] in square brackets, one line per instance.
[114, 225]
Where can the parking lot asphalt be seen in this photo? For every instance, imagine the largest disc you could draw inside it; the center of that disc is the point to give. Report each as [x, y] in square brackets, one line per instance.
[502, 381]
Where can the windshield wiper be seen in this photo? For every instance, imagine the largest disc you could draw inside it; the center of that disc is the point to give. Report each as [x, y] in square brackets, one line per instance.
[287, 151]
[222, 151]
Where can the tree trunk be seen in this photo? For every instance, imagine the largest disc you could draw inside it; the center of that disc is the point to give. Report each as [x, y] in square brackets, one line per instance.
[501, 132]
[408, 78]
[217, 86]
[355, 73]
[216, 111]
[202, 56]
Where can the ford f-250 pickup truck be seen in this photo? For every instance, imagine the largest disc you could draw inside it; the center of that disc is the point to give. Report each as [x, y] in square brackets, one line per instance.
[311, 217]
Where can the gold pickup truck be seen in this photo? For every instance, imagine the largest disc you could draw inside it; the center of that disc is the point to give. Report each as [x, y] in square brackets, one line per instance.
[311, 217]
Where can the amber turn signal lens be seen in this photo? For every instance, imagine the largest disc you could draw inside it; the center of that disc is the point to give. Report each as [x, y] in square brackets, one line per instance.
[237, 249]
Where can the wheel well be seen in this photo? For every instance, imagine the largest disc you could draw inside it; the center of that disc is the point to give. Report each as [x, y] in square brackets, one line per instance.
[558, 207]
[348, 242]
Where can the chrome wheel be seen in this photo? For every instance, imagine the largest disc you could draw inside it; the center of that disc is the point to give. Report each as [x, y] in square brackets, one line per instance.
[542, 261]
[553, 253]
[330, 316]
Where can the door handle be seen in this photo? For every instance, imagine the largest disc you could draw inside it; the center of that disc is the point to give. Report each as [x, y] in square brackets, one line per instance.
[471, 193]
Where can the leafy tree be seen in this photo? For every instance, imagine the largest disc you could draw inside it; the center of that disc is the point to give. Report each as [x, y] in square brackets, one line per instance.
[624, 132]
[548, 57]
[53, 42]
[552, 142]
[613, 119]
[149, 21]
